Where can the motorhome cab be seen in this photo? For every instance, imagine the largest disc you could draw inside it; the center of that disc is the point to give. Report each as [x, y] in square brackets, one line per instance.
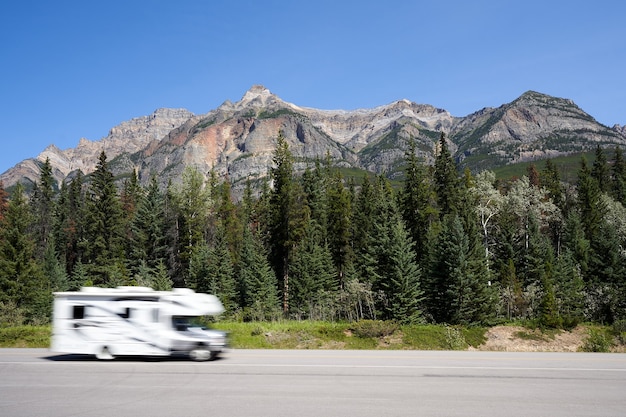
[109, 322]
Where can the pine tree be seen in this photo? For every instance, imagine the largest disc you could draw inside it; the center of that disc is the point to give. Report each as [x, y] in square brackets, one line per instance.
[457, 287]
[600, 171]
[42, 206]
[211, 271]
[569, 290]
[339, 225]
[148, 229]
[79, 278]
[258, 287]
[104, 247]
[401, 284]
[69, 223]
[416, 200]
[534, 178]
[362, 224]
[511, 289]
[446, 179]
[161, 280]
[287, 215]
[575, 242]
[618, 176]
[548, 310]
[315, 188]
[54, 269]
[222, 274]
[192, 208]
[313, 276]
[21, 278]
[551, 181]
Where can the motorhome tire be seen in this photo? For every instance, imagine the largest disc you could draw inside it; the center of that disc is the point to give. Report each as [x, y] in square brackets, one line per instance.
[201, 354]
[104, 354]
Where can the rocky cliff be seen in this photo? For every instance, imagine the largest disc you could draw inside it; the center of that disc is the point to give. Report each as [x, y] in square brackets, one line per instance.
[238, 139]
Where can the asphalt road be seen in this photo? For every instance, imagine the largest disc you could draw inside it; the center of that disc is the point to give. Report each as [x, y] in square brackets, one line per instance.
[304, 383]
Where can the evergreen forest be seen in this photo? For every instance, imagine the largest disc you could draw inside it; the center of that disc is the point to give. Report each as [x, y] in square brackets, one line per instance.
[442, 246]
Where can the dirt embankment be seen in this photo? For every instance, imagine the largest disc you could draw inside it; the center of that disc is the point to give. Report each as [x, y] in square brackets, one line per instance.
[520, 339]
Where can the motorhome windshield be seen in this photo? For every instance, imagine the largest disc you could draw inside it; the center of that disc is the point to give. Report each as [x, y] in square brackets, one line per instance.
[182, 323]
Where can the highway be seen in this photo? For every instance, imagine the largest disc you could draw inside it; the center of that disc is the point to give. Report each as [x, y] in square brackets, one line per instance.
[306, 383]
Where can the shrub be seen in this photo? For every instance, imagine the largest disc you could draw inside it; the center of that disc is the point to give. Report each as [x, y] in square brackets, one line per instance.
[619, 330]
[597, 341]
[373, 328]
[455, 339]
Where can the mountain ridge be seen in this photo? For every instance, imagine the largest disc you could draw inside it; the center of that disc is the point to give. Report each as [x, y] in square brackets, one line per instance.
[237, 140]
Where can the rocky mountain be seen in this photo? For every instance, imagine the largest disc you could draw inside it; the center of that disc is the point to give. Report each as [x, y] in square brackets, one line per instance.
[238, 139]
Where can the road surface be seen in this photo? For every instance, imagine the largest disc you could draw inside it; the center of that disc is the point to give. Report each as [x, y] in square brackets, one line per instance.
[306, 383]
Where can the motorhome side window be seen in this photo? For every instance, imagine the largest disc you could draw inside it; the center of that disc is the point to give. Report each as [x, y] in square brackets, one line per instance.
[78, 312]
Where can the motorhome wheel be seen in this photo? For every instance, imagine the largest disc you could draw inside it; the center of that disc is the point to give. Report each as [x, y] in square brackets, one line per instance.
[104, 354]
[200, 353]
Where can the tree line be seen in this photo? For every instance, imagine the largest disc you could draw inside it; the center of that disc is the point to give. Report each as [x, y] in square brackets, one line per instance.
[442, 247]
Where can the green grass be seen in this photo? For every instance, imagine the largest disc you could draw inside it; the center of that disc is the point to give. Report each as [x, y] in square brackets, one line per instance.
[371, 335]
[25, 337]
[304, 335]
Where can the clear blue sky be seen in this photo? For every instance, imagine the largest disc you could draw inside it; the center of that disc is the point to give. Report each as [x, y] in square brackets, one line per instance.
[72, 69]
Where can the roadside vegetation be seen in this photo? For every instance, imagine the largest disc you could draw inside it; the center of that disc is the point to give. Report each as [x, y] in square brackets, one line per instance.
[366, 334]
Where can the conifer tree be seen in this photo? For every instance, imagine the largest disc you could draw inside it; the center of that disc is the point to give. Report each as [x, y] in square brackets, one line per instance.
[575, 242]
[339, 225]
[511, 289]
[148, 228]
[446, 179]
[457, 285]
[104, 247]
[287, 215]
[79, 278]
[362, 224]
[21, 278]
[315, 187]
[551, 181]
[211, 271]
[600, 171]
[69, 223]
[161, 280]
[313, 276]
[534, 178]
[222, 274]
[401, 283]
[548, 310]
[188, 208]
[569, 290]
[618, 176]
[416, 200]
[54, 270]
[42, 206]
[258, 287]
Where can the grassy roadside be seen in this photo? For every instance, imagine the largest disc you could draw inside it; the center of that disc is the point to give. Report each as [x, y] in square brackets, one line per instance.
[304, 335]
[362, 335]
[365, 334]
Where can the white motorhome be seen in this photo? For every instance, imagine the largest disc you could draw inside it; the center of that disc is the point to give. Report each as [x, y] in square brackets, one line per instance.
[109, 322]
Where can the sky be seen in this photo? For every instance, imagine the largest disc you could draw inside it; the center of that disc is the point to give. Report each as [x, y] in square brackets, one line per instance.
[75, 69]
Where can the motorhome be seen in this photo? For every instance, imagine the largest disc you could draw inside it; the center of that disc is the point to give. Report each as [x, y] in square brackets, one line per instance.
[110, 322]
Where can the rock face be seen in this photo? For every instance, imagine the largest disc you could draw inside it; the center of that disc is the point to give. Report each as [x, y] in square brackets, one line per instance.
[534, 126]
[238, 140]
[126, 138]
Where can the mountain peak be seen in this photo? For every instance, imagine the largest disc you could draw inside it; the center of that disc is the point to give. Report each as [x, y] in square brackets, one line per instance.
[256, 92]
